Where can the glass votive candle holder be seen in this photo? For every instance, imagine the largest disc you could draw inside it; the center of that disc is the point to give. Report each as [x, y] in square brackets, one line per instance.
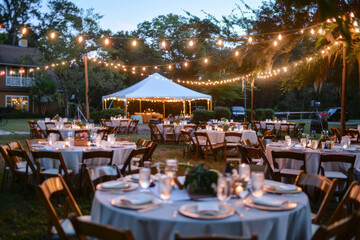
[303, 142]
[314, 144]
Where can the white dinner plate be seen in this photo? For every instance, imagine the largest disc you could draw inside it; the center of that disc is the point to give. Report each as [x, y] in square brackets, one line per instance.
[191, 210]
[249, 202]
[118, 203]
[273, 189]
[131, 186]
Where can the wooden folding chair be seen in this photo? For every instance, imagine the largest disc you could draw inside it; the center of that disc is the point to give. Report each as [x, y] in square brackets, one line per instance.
[96, 175]
[31, 142]
[345, 229]
[103, 132]
[201, 125]
[214, 237]
[156, 135]
[60, 226]
[52, 172]
[245, 125]
[269, 126]
[56, 132]
[122, 139]
[284, 130]
[289, 156]
[269, 134]
[94, 156]
[133, 126]
[189, 142]
[232, 142]
[350, 203]
[204, 144]
[36, 130]
[126, 167]
[123, 126]
[7, 168]
[86, 229]
[256, 126]
[107, 122]
[50, 125]
[67, 124]
[188, 127]
[339, 159]
[316, 183]
[169, 132]
[148, 157]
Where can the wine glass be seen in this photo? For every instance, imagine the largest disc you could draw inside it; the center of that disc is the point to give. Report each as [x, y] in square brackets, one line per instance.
[165, 188]
[224, 189]
[144, 179]
[257, 184]
[288, 141]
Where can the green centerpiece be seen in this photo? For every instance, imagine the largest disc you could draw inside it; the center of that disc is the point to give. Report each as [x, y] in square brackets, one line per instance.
[200, 182]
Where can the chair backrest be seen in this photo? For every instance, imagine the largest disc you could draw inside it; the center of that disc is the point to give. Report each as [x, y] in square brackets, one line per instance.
[168, 128]
[246, 142]
[190, 127]
[98, 154]
[350, 201]
[268, 133]
[112, 130]
[49, 125]
[245, 124]
[57, 156]
[340, 159]
[284, 128]
[46, 190]
[256, 125]
[102, 132]
[98, 175]
[292, 127]
[214, 237]
[135, 152]
[155, 133]
[67, 124]
[269, 126]
[30, 142]
[107, 122]
[133, 126]
[22, 154]
[56, 132]
[201, 138]
[186, 137]
[201, 125]
[86, 229]
[233, 137]
[15, 145]
[152, 146]
[289, 156]
[34, 129]
[122, 139]
[4, 150]
[344, 229]
[320, 183]
[40, 130]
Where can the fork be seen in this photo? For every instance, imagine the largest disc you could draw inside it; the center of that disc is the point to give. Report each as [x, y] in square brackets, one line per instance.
[175, 212]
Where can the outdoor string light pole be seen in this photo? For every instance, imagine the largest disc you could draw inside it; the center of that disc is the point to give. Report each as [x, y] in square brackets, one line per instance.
[86, 89]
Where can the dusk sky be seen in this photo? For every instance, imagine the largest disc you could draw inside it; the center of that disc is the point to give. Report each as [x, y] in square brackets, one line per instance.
[125, 15]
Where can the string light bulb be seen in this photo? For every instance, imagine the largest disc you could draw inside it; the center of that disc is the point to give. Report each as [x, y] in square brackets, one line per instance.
[186, 64]
[52, 35]
[275, 43]
[312, 31]
[220, 42]
[156, 67]
[163, 44]
[206, 60]
[144, 68]
[23, 31]
[170, 67]
[280, 37]
[250, 40]
[134, 43]
[106, 41]
[191, 43]
[80, 39]
[236, 53]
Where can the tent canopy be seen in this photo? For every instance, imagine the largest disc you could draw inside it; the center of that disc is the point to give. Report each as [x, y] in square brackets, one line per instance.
[157, 87]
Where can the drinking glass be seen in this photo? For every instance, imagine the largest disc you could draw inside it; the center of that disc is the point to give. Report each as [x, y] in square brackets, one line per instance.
[344, 143]
[244, 172]
[224, 189]
[257, 184]
[98, 141]
[303, 142]
[165, 188]
[144, 179]
[288, 141]
[171, 169]
[314, 144]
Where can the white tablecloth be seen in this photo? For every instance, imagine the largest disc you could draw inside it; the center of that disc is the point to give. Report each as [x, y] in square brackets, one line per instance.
[251, 135]
[214, 136]
[312, 158]
[116, 122]
[72, 156]
[177, 128]
[42, 123]
[159, 224]
[277, 124]
[65, 131]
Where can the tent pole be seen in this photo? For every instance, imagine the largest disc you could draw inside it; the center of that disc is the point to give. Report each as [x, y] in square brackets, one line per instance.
[163, 109]
[126, 107]
[104, 104]
[207, 105]
[140, 105]
[190, 107]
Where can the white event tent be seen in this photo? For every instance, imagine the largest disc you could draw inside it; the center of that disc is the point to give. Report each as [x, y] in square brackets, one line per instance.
[157, 88]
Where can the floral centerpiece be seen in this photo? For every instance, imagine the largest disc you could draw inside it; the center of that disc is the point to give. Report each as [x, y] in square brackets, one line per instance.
[223, 119]
[177, 121]
[79, 123]
[226, 127]
[56, 118]
[83, 135]
[200, 182]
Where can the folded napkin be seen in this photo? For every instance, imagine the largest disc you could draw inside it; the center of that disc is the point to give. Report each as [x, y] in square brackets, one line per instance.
[208, 209]
[269, 201]
[114, 185]
[282, 187]
[135, 176]
[137, 199]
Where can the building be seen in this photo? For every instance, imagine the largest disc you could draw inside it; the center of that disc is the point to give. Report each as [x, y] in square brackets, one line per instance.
[17, 65]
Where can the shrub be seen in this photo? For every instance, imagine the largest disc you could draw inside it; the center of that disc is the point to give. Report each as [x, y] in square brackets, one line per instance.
[106, 113]
[269, 113]
[260, 114]
[222, 112]
[201, 115]
[248, 114]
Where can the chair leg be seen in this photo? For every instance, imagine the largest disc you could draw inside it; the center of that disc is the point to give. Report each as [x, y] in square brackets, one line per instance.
[5, 178]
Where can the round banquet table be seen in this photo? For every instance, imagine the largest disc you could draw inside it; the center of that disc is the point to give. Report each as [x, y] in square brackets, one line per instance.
[73, 155]
[160, 224]
[219, 136]
[276, 124]
[312, 158]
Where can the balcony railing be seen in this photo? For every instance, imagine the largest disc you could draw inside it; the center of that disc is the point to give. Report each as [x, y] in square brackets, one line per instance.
[12, 81]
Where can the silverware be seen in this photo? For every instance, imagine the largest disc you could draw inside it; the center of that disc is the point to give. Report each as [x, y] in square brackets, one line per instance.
[146, 209]
[175, 212]
[240, 214]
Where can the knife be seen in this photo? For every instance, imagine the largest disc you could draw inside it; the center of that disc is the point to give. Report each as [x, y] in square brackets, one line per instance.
[148, 208]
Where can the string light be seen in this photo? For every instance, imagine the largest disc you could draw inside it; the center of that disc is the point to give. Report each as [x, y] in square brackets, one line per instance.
[275, 43]
[106, 41]
[23, 31]
[220, 42]
[52, 35]
[80, 39]
[144, 68]
[155, 67]
[134, 43]
[250, 40]
[191, 43]
[186, 64]
[163, 44]
[312, 31]
[236, 53]
[170, 67]
[206, 60]
[279, 37]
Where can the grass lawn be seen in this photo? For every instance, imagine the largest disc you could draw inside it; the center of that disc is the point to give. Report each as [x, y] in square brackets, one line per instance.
[26, 219]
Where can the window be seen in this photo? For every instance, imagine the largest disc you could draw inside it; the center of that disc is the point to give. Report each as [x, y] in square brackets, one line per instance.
[18, 102]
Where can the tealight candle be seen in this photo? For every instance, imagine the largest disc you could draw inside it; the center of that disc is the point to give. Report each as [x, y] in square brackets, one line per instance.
[67, 143]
